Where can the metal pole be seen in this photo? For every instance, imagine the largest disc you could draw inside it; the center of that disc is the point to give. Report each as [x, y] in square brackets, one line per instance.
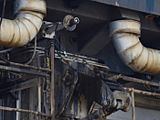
[39, 95]
[18, 105]
[39, 88]
[133, 105]
[131, 79]
[2, 108]
[143, 92]
[20, 70]
[52, 55]
[24, 66]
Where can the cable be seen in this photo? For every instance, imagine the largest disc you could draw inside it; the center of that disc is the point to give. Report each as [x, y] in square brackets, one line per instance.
[34, 52]
[6, 50]
[9, 49]
[29, 61]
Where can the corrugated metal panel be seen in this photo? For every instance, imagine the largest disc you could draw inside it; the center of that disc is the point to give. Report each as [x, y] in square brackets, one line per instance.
[148, 6]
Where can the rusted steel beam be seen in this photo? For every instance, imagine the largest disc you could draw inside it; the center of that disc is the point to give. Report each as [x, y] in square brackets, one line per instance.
[135, 80]
[25, 71]
[2, 108]
[92, 62]
[52, 56]
[143, 92]
[145, 6]
[133, 105]
[26, 66]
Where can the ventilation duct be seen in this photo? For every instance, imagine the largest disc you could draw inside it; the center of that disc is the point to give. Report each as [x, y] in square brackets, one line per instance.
[26, 25]
[125, 34]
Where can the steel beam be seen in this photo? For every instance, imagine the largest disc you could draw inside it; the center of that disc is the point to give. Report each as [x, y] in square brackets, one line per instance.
[89, 9]
[24, 71]
[147, 6]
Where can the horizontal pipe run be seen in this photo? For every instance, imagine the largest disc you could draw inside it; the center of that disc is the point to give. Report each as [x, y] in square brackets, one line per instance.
[79, 59]
[25, 71]
[142, 92]
[109, 75]
[115, 76]
[25, 66]
[9, 109]
[135, 80]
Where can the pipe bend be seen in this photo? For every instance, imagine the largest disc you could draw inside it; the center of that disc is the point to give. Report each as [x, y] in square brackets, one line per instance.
[26, 25]
[125, 35]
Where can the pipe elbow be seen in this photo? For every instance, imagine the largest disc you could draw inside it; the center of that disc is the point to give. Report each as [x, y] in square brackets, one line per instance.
[26, 25]
[37, 6]
[125, 35]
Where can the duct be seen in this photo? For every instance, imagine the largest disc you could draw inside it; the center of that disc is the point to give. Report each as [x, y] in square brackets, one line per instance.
[125, 34]
[27, 23]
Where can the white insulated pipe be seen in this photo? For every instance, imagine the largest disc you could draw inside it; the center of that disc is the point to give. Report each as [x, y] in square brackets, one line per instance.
[26, 25]
[125, 34]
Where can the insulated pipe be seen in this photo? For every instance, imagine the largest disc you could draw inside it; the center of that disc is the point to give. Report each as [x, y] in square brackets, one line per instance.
[125, 34]
[26, 25]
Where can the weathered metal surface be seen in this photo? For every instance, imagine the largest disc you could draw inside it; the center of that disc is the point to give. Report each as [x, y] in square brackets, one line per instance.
[43, 115]
[134, 80]
[26, 66]
[143, 92]
[93, 63]
[133, 105]
[148, 6]
[52, 84]
[125, 100]
[24, 71]
[142, 101]
[100, 13]
[125, 34]
[27, 24]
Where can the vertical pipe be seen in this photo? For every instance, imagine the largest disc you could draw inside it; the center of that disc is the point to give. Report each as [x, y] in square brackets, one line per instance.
[52, 80]
[39, 96]
[133, 105]
[18, 105]
[39, 84]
